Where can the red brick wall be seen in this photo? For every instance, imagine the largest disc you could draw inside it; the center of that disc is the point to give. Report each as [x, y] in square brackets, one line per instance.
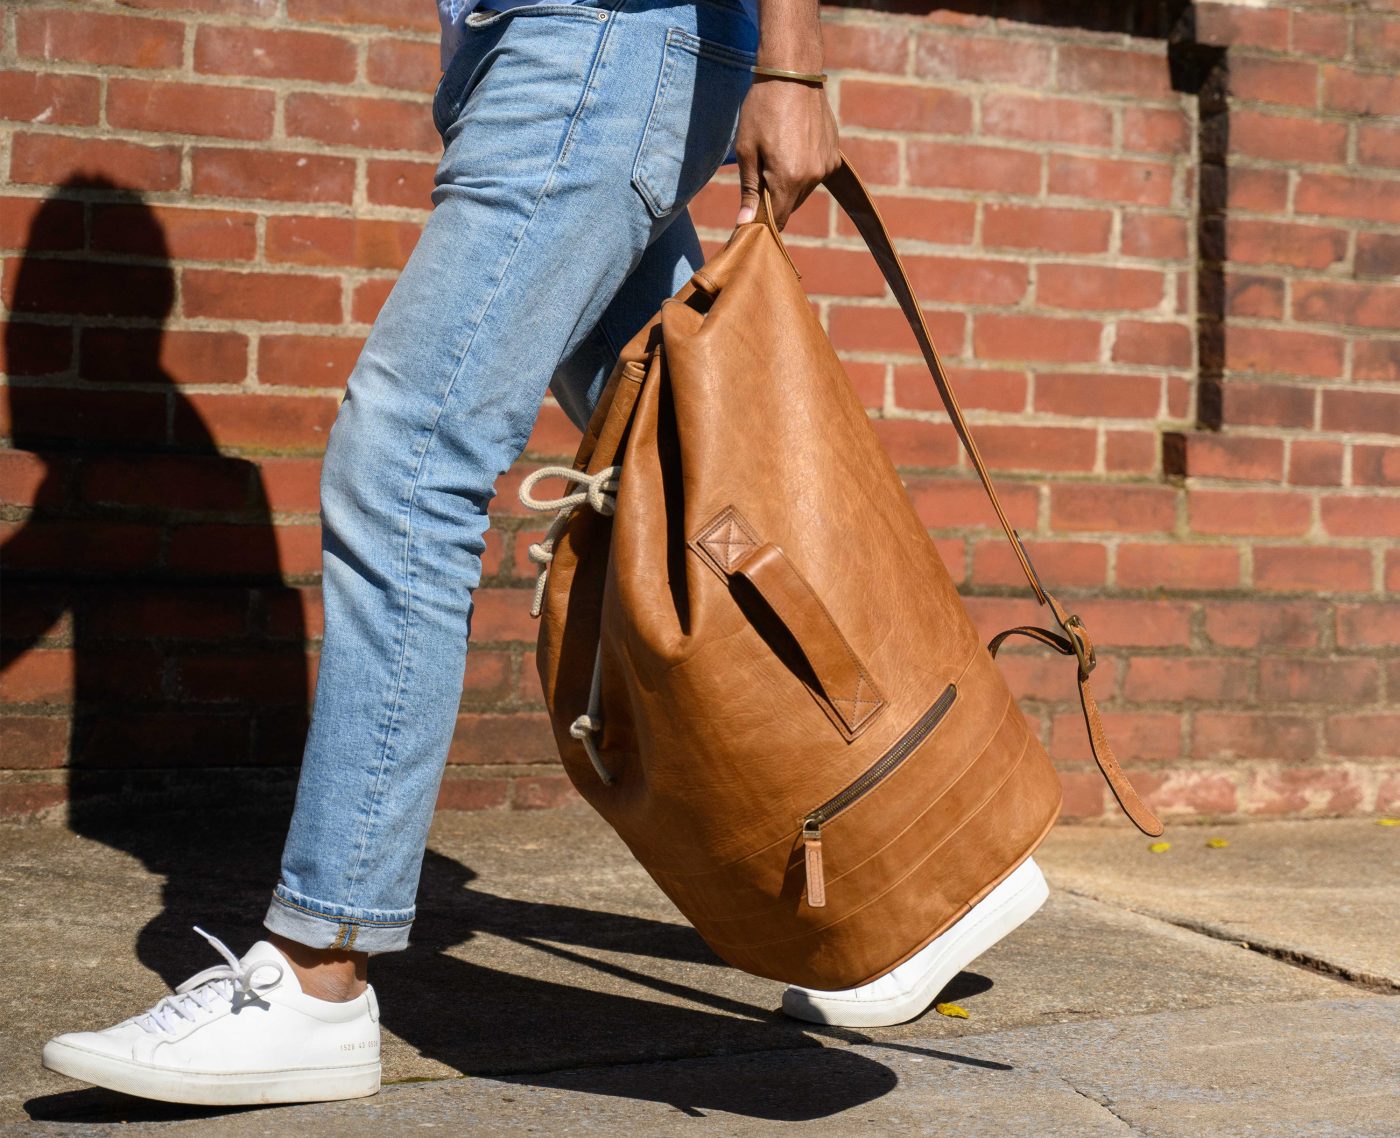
[1174, 315]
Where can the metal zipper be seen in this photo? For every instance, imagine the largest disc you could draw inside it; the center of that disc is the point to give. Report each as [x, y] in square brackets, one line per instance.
[873, 775]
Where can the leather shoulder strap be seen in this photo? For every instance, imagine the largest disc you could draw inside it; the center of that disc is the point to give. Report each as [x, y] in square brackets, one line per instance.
[852, 196]
[1073, 638]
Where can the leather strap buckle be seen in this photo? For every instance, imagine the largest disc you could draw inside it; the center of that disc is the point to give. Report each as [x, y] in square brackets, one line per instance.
[1083, 646]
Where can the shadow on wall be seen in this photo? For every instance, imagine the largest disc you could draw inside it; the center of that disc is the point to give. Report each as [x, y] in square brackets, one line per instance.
[143, 591]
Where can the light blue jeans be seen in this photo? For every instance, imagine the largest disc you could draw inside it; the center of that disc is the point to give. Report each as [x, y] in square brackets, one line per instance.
[574, 135]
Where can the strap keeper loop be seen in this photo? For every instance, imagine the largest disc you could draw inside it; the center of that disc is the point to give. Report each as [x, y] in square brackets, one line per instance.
[1083, 646]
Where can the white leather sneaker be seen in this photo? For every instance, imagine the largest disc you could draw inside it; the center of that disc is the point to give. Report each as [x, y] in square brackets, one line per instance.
[907, 991]
[234, 1035]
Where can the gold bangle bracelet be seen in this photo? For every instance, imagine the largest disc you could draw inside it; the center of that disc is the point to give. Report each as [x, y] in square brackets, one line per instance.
[817, 77]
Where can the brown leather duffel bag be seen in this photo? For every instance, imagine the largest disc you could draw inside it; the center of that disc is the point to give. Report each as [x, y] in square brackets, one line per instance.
[757, 667]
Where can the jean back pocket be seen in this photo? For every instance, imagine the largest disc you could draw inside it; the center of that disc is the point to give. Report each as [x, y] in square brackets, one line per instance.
[694, 117]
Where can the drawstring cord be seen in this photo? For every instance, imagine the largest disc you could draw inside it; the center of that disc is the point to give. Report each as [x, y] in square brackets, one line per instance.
[587, 727]
[599, 491]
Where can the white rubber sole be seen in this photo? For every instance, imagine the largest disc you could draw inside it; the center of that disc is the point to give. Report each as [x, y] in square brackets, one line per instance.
[238, 1088]
[906, 992]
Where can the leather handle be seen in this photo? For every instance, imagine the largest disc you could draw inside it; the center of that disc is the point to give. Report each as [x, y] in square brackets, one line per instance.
[732, 548]
[844, 680]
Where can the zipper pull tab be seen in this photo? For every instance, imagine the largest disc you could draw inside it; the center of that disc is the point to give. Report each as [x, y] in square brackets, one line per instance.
[812, 853]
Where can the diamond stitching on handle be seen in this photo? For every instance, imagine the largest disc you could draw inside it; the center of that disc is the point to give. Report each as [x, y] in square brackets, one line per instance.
[727, 542]
[860, 709]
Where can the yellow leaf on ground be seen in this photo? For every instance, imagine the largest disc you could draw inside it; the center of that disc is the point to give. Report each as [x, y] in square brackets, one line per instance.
[1217, 843]
[1388, 821]
[1159, 847]
[954, 1010]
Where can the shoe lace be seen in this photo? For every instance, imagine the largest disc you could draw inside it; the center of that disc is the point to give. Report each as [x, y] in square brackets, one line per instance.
[205, 990]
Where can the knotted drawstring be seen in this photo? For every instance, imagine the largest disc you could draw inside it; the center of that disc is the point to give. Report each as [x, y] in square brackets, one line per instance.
[201, 990]
[588, 726]
[600, 492]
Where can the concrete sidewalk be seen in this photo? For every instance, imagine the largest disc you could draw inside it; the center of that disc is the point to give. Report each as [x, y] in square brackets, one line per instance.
[552, 989]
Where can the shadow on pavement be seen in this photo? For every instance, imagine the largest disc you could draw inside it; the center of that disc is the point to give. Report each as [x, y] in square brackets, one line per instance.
[98, 1105]
[545, 1028]
[824, 1083]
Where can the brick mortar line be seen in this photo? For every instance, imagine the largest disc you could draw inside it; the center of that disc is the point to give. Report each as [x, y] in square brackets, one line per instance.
[1244, 162]
[278, 21]
[189, 201]
[1167, 425]
[1275, 324]
[170, 140]
[310, 145]
[1363, 771]
[1303, 434]
[1322, 221]
[978, 89]
[353, 279]
[1026, 476]
[982, 535]
[1028, 257]
[1039, 371]
[351, 274]
[1194, 598]
[1041, 148]
[506, 709]
[1293, 112]
[187, 74]
[919, 26]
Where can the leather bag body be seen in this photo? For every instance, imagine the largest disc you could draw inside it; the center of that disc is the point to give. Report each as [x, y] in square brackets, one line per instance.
[757, 667]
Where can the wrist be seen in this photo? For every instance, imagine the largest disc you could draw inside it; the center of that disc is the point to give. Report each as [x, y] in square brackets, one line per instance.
[790, 56]
[811, 78]
[790, 35]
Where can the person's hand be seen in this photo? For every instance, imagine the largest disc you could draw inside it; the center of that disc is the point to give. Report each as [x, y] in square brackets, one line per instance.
[787, 140]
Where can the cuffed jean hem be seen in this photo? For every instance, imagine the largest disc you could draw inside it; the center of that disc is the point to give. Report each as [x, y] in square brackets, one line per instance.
[317, 924]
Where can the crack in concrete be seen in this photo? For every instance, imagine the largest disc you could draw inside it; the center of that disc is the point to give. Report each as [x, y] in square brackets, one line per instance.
[1367, 981]
[1104, 1105]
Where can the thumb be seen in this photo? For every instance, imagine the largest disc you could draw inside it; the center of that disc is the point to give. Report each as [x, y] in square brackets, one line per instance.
[748, 189]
